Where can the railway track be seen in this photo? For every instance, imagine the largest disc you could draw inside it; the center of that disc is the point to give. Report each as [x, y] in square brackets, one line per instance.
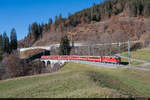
[112, 66]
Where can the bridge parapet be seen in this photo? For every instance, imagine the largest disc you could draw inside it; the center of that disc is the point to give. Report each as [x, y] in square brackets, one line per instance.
[32, 48]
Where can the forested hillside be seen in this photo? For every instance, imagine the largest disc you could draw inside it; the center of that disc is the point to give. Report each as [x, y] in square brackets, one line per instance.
[135, 10]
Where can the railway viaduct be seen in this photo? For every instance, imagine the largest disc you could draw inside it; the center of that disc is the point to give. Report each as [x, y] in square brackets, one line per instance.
[51, 63]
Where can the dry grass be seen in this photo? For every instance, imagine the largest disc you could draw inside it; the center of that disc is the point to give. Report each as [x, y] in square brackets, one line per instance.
[78, 81]
[143, 54]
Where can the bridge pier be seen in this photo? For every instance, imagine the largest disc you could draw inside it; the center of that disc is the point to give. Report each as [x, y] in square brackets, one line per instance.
[53, 62]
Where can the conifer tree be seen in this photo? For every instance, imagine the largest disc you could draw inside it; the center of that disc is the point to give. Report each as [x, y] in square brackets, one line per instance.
[147, 9]
[13, 40]
[36, 30]
[3, 39]
[7, 45]
[1, 47]
[64, 48]
[50, 23]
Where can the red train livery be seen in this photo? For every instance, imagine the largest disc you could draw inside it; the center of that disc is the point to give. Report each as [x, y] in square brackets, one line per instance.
[102, 59]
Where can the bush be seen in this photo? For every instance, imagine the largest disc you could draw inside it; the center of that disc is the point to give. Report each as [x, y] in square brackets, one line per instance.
[12, 66]
[136, 46]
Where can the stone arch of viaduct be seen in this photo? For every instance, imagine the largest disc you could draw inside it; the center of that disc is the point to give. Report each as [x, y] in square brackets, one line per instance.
[51, 63]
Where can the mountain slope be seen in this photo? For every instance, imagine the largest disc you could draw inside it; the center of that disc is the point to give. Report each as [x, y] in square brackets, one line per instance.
[114, 29]
[112, 17]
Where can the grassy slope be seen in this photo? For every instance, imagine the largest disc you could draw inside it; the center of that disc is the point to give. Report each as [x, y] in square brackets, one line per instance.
[78, 80]
[143, 54]
[134, 63]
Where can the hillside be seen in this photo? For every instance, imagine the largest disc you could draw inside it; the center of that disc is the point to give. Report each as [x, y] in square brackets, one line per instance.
[111, 20]
[141, 54]
[78, 81]
[114, 29]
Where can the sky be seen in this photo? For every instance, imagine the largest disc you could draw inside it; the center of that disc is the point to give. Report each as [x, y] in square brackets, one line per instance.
[19, 14]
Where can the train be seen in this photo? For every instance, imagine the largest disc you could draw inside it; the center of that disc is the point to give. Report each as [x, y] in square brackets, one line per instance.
[102, 59]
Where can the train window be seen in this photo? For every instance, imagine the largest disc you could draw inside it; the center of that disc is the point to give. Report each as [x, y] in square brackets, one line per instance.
[110, 58]
[94, 58]
[117, 58]
[83, 57]
[75, 57]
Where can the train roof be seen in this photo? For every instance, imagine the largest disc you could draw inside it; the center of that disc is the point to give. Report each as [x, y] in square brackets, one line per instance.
[86, 56]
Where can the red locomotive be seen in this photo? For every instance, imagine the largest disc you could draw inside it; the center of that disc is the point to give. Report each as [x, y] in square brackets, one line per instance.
[102, 59]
